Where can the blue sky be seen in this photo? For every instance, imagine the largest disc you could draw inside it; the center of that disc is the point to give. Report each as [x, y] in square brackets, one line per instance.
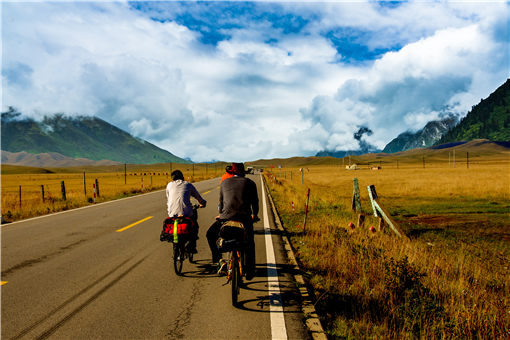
[249, 80]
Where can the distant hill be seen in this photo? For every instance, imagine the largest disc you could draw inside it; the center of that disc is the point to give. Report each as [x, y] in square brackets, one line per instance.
[50, 159]
[342, 153]
[478, 149]
[428, 136]
[490, 119]
[78, 137]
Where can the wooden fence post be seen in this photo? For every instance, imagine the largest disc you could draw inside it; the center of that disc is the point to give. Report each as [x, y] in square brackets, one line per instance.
[97, 188]
[42, 192]
[379, 211]
[467, 160]
[63, 187]
[94, 190]
[306, 208]
[125, 173]
[373, 196]
[84, 185]
[20, 197]
[361, 220]
[356, 203]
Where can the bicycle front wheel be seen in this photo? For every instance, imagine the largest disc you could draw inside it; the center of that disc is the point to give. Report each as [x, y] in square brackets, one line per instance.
[178, 258]
[236, 280]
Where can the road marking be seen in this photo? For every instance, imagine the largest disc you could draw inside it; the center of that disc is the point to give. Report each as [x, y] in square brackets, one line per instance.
[76, 209]
[133, 224]
[2, 283]
[205, 193]
[278, 329]
[7, 225]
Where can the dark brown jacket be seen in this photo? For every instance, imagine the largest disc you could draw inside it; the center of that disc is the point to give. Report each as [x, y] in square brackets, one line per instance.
[238, 199]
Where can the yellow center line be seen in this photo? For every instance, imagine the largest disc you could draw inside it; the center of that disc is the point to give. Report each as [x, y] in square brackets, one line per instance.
[206, 192]
[2, 283]
[133, 224]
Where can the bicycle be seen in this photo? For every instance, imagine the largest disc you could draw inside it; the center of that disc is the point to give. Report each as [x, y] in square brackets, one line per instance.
[177, 230]
[233, 240]
[235, 274]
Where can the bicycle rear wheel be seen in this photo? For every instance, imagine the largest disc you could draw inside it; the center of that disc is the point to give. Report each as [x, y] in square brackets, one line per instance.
[178, 258]
[236, 279]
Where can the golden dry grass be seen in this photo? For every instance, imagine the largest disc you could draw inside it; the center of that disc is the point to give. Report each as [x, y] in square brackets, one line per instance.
[450, 280]
[112, 185]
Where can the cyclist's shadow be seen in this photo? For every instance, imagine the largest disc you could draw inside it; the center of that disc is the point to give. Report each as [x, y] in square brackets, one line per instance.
[201, 268]
[286, 296]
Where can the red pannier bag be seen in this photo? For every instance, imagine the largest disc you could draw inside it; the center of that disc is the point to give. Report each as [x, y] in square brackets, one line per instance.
[185, 226]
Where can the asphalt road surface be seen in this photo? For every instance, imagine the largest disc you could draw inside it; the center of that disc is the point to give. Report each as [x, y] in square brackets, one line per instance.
[100, 272]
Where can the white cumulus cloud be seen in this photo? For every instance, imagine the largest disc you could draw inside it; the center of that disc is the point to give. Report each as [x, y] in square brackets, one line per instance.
[280, 80]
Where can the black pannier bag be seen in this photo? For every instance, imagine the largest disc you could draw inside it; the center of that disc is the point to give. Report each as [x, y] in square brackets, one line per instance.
[232, 236]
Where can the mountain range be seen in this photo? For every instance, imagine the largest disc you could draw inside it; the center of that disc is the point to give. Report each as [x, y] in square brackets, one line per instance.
[428, 136]
[61, 140]
[490, 119]
[83, 138]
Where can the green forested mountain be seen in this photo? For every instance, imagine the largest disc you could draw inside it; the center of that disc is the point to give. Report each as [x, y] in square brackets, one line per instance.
[79, 137]
[490, 119]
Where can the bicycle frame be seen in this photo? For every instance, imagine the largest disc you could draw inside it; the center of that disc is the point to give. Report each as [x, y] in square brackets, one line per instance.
[235, 255]
[235, 276]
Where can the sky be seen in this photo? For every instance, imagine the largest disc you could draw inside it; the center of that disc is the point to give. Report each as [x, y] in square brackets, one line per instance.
[241, 81]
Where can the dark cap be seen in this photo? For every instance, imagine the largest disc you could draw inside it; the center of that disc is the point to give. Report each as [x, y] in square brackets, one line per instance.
[238, 169]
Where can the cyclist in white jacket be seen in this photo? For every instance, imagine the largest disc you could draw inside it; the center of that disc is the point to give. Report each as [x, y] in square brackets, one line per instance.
[178, 194]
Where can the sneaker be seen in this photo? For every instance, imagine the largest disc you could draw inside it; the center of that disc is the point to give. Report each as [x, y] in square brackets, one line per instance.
[222, 268]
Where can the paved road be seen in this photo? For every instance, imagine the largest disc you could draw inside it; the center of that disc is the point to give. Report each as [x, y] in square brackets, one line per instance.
[74, 275]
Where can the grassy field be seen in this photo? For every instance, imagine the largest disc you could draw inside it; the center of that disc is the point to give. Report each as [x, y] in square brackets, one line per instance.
[451, 279]
[22, 187]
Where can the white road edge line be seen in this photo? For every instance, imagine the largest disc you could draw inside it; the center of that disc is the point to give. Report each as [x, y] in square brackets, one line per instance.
[278, 329]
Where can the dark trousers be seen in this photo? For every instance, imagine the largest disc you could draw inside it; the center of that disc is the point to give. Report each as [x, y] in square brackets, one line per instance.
[249, 251]
[194, 235]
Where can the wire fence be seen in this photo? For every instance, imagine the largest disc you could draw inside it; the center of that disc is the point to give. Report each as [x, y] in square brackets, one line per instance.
[28, 195]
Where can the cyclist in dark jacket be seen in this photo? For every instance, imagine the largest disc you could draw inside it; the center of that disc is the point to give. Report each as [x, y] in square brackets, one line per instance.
[239, 201]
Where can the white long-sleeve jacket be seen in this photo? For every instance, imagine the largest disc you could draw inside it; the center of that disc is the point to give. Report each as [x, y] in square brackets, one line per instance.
[178, 194]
